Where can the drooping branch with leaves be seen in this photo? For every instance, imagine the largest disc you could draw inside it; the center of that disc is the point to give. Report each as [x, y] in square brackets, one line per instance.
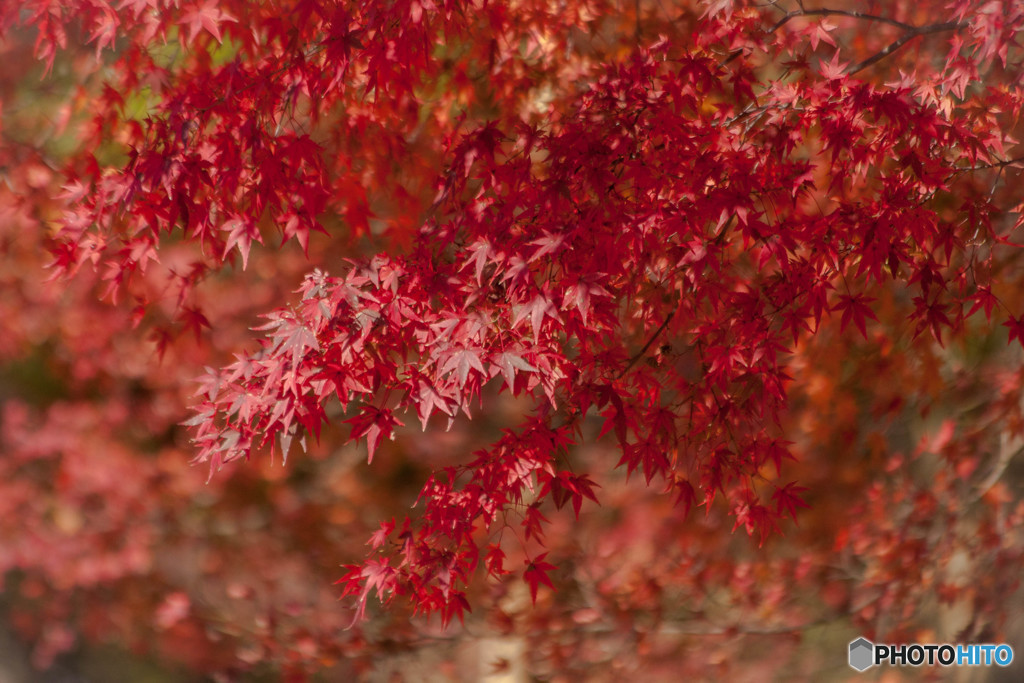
[641, 219]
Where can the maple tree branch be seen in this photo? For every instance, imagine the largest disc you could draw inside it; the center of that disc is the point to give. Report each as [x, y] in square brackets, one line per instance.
[825, 12]
[903, 40]
[910, 31]
[1010, 448]
[757, 111]
[633, 360]
[688, 628]
[998, 164]
[708, 628]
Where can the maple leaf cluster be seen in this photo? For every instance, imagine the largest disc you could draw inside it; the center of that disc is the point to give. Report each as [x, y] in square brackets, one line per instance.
[645, 230]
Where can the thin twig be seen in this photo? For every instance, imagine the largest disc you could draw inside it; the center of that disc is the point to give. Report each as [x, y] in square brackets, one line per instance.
[1009, 448]
[910, 31]
[699, 628]
[824, 12]
[985, 167]
[639, 355]
[903, 40]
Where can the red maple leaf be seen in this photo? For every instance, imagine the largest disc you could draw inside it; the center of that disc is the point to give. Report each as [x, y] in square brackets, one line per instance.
[855, 308]
[537, 573]
[787, 499]
[1016, 327]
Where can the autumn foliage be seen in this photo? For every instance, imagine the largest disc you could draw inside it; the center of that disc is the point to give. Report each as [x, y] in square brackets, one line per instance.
[589, 285]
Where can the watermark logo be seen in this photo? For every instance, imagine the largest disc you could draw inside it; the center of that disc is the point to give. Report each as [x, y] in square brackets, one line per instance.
[864, 654]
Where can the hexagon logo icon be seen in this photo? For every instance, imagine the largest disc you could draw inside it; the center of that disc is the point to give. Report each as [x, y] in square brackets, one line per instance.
[861, 654]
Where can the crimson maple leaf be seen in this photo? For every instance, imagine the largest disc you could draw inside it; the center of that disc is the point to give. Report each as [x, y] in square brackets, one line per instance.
[855, 308]
[787, 499]
[537, 573]
[1016, 327]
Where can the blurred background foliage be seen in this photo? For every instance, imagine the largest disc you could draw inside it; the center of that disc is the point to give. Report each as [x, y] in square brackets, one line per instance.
[119, 562]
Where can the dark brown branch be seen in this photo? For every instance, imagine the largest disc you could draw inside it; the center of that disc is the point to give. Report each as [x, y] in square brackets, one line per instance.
[903, 40]
[706, 628]
[909, 30]
[640, 354]
[985, 167]
[840, 13]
